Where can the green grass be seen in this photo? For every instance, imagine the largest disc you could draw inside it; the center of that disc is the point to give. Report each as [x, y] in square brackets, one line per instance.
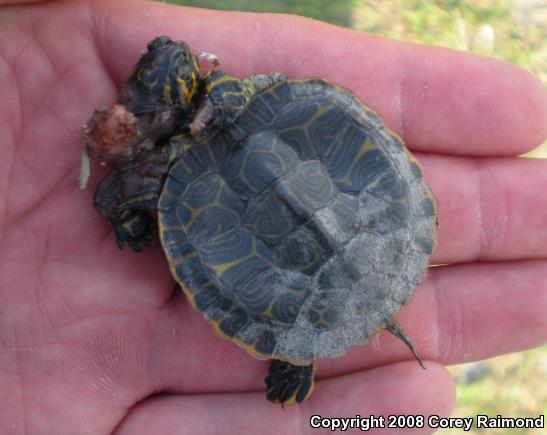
[336, 12]
[490, 28]
[510, 385]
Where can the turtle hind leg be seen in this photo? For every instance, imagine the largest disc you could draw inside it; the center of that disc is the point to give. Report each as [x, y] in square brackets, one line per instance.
[393, 327]
[287, 383]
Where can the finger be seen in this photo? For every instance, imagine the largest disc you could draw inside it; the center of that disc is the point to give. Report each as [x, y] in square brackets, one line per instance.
[437, 99]
[398, 389]
[412, 87]
[488, 209]
[476, 311]
[13, 2]
[461, 313]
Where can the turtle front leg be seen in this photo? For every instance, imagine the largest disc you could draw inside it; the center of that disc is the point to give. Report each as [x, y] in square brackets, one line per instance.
[287, 383]
[225, 97]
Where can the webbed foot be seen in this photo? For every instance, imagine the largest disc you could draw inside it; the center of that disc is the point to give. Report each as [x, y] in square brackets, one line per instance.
[287, 383]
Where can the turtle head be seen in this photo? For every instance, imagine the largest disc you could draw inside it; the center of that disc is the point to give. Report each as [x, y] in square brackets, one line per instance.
[109, 194]
[134, 185]
[130, 226]
[164, 79]
[157, 100]
[128, 198]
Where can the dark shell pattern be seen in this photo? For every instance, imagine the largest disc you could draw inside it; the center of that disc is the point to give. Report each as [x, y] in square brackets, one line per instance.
[302, 227]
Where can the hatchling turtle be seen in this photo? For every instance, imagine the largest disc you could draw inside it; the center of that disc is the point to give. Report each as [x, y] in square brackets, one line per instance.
[292, 218]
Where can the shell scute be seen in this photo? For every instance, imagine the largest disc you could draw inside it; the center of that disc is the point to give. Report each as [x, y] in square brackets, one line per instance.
[310, 229]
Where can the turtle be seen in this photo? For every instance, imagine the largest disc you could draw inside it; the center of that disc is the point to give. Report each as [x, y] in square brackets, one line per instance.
[292, 218]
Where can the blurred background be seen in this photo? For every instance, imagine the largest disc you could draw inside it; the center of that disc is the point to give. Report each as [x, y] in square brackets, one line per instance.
[512, 385]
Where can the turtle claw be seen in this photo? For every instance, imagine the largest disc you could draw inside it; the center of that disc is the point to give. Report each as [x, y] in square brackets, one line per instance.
[287, 383]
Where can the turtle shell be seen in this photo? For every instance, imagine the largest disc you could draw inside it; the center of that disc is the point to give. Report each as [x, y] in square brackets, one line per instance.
[302, 227]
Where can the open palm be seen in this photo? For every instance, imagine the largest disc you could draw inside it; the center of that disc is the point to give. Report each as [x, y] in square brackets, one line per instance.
[87, 331]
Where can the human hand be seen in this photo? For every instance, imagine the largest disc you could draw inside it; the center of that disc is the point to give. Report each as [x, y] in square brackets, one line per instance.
[89, 334]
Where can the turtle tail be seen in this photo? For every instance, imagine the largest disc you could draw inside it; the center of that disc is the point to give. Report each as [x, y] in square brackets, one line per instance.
[393, 327]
